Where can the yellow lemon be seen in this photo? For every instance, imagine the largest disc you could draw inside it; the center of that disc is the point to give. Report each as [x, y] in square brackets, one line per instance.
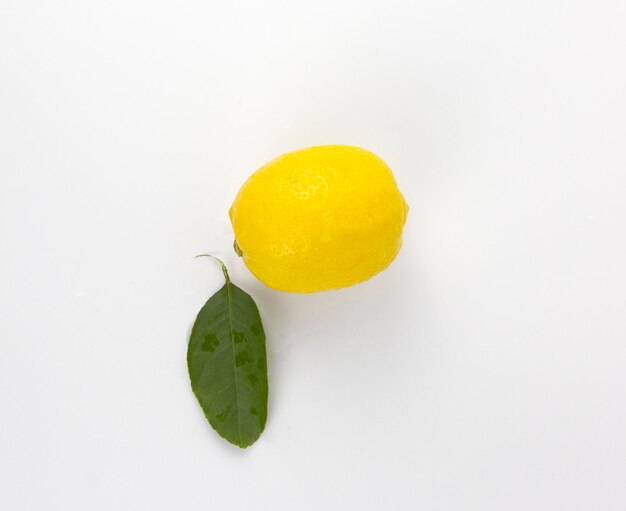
[319, 218]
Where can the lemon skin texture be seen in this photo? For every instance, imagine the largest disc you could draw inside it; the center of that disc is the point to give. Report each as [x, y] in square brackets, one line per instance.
[319, 218]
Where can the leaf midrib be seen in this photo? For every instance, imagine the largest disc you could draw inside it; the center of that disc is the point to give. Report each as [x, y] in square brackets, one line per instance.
[232, 343]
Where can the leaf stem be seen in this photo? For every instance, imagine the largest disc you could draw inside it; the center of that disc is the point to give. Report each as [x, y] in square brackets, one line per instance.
[224, 269]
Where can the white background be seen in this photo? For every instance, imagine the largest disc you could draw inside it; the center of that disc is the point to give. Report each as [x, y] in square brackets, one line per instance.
[484, 370]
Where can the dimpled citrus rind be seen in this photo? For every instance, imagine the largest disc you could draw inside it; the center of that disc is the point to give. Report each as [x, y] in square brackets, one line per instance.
[319, 218]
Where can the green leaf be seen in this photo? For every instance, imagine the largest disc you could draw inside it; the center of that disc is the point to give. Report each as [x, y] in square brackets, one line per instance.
[228, 366]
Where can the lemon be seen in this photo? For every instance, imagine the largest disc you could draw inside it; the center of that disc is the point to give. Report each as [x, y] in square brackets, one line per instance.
[319, 218]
